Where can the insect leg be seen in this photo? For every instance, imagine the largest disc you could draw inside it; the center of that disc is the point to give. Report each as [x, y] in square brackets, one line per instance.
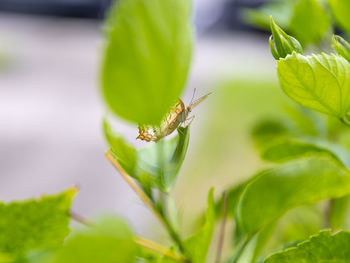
[190, 120]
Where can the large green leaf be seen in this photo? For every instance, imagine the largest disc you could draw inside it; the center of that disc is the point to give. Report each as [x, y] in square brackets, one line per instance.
[284, 149]
[35, 224]
[197, 245]
[154, 165]
[310, 22]
[319, 82]
[299, 182]
[109, 242]
[341, 10]
[147, 57]
[324, 247]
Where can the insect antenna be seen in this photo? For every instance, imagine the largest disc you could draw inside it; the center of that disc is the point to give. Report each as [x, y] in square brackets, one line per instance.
[194, 93]
[196, 102]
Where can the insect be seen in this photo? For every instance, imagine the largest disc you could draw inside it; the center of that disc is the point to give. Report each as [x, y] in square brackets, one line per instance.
[173, 119]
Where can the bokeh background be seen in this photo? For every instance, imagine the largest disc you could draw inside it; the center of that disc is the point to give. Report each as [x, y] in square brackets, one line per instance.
[51, 109]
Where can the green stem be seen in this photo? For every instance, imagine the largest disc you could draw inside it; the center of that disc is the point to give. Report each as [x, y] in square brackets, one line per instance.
[169, 226]
[239, 251]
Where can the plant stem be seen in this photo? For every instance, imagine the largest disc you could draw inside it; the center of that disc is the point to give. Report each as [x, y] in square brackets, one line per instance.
[146, 200]
[168, 224]
[158, 248]
[222, 229]
[81, 219]
[159, 212]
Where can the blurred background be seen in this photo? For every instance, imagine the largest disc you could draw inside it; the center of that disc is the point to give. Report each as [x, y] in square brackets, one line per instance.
[51, 109]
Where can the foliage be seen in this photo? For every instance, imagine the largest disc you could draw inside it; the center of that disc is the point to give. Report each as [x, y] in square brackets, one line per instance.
[198, 244]
[307, 20]
[145, 66]
[295, 183]
[310, 21]
[34, 224]
[319, 82]
[155, 165]
[323, 247]
[110, 241]
[147, 58]
[340, 10]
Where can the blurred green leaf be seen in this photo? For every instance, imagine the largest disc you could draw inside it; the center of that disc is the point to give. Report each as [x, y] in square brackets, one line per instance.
[262, 238]
[233, 196]
[154, 165]
[308, 122]
[147, 57]
[294, 226]
[35, 224]
[284, 149]
[341, 46]
[269, 129]
[123, 152]
[323, 247]
[340, 10]
[319, 82]
[299, 182]
[163, 160]
[198, 244]
[310, 22]
[109, 242]
[281, 11]
[338, 211]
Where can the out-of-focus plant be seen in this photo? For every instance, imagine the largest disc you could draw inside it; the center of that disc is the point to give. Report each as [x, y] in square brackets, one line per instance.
[308, 20]
[145, 66]
[311, 154]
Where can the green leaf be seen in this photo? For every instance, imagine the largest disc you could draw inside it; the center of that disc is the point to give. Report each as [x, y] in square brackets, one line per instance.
[269, 129]
[310, 22]
[341, 46]
[147, 58]
[308, 122]
[198, 244]
[123, 152]
[35, 224]
[281, 11]
[160, 162]
[323, 247]
[109, 242]
[319, 82]
[155, 165]
[233, 196]
[338, 211]
[266, 130]
[284, 149]
[299, 182]
[341, 10]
